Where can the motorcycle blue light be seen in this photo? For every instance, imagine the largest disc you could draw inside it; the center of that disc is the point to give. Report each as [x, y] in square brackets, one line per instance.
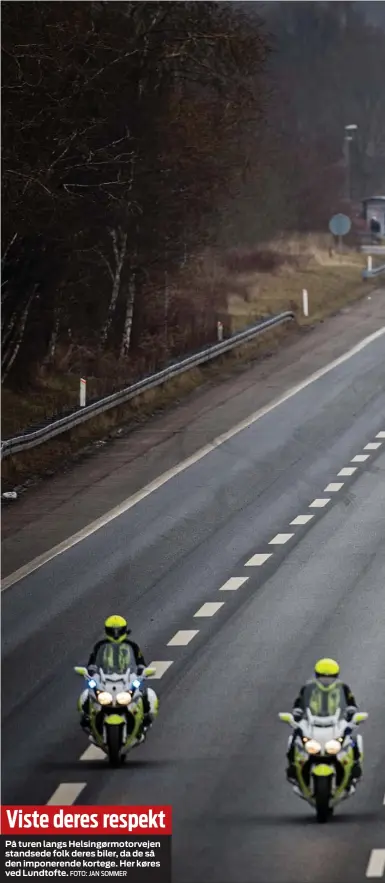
[92, 684]
[136, 684]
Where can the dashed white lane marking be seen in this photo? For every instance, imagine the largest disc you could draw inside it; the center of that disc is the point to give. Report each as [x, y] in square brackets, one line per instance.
[319, 503]
[182, 638]
[93, 753]
[258, 559]
[376, 864]
[234, 583]
[360, 458]
[333, 487]
[302, 519]
[159, 482]
[66, 794]
[209, 608]
[161, 667]
[280, 539]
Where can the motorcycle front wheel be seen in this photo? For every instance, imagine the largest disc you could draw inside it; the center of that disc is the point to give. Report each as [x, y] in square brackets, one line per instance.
[322, 797]
[114, 744]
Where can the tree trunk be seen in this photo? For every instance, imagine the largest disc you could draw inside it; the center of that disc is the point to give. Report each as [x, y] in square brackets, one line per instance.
[126, 340]
[119, 244]
[53, 341]
[7, 331]
[19, 337]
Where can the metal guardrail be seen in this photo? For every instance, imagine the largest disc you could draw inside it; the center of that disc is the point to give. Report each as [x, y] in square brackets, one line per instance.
[370, 250]
[371, 274]
[373, 249]
[32, 438]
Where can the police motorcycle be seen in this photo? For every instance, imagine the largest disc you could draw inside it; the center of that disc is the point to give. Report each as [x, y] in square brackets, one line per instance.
[323, 749]
[116, 708]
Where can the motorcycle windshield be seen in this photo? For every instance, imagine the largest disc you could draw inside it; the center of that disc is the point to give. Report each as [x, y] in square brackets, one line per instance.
[115, 659]
[325, 702]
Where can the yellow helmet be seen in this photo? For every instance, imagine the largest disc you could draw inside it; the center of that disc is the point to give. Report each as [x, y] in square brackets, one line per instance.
[326, 668]
[116, 629]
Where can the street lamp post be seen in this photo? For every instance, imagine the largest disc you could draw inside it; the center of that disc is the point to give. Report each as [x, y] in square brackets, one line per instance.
[347, 139]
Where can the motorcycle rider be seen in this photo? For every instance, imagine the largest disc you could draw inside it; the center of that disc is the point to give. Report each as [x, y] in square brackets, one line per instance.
[116, 632]
[326, 673]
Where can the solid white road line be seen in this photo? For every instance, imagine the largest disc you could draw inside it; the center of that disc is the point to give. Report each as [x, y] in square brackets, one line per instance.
[376, 864]
[161, 668]
[302, 519]
[319, 503]
[372, 446]
[280, 539]
[258, 560]
[132, 501]
[182, 638]
[209, 608]
[347, 470]
[234, 583]
[93, 753]
[380, 435]
[333, 487]
[66, 794]
[360, 458]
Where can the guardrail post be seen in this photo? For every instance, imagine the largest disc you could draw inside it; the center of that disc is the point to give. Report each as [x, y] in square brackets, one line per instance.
[305, 302]
[370, 263]
[219, 331]
[83, 385]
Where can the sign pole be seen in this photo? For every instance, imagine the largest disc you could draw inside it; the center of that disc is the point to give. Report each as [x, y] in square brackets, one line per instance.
[339, 225]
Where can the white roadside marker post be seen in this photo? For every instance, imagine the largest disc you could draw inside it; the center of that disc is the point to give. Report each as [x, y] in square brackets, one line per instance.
[305, 302]
[83, 385]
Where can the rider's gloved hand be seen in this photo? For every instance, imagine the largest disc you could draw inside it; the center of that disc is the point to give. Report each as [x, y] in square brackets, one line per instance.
[350, 712]
[297, 714]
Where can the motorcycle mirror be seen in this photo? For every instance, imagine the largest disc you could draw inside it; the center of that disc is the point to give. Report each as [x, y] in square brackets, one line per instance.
[286, 717]
[149, 671]
[360, 716]
[81, 670]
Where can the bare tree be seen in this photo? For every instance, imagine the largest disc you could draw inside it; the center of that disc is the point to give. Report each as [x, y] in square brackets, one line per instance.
[125, 131]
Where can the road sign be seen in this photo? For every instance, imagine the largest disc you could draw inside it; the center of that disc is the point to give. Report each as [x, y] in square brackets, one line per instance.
[340, 225]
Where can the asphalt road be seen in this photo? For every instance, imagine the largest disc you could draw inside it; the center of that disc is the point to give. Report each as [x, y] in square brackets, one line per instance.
[217, 753]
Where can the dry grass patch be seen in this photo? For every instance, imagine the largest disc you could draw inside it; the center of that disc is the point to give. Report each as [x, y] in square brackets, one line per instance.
[331, 280]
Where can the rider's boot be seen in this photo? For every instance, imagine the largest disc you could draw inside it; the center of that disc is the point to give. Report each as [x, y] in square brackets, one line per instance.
[291, 774]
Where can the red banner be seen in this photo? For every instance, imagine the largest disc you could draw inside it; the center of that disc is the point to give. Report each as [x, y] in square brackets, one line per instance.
[120, 820]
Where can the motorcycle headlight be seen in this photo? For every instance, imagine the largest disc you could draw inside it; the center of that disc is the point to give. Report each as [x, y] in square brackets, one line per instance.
[333, 747]
[104, 698]
[312, 746]
[123, 698]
